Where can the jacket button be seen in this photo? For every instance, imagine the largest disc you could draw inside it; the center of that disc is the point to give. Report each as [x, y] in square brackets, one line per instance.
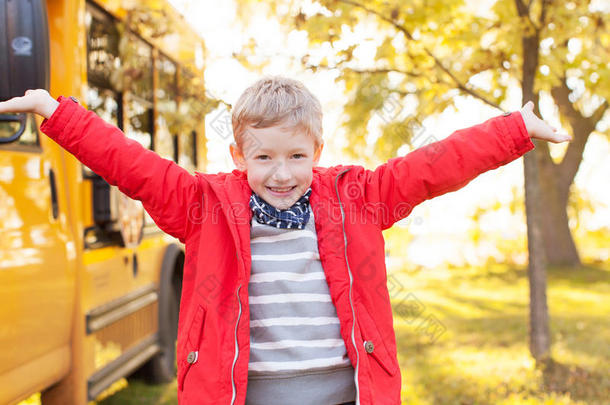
[369, 346]
[506, 114]
[192, 357]
[74, 99]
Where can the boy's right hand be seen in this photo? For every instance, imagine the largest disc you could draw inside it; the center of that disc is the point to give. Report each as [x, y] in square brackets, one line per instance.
[34, 101]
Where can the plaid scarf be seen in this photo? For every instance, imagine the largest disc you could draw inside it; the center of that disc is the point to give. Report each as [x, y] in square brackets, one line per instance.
[293, 217]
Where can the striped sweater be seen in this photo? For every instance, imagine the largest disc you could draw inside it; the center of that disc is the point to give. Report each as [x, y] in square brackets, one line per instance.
[297, 354]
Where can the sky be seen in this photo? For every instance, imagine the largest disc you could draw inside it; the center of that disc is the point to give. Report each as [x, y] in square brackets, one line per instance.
[438, 225]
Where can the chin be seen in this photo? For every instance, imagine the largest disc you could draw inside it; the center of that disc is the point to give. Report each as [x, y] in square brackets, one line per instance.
[281, 205]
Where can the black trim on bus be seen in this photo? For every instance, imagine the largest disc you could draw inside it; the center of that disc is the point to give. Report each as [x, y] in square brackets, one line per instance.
[195, 155]
[101, 238]
[112, 311]
[54, 202]
[105, 239]
[27, 147]
[175, 145]
[122, 366]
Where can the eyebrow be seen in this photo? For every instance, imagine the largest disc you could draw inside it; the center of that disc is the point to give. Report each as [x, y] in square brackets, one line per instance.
[266, 150]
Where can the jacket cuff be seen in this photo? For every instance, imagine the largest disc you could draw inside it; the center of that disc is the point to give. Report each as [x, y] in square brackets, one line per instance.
[516, 133]
[55, 125]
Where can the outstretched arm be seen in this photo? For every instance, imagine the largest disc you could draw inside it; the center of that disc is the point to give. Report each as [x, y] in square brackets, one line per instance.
[166, 189]
[440, 167]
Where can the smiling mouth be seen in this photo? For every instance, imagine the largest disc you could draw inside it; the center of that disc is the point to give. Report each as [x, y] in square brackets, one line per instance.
[281, 190]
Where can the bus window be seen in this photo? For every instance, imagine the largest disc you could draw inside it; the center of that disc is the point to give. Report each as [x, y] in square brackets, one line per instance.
[166, 95]
[103, 66]
[103, 58]
[137, 61]
[192, 109]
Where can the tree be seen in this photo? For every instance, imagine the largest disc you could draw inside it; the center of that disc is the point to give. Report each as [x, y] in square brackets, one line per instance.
[429, 51]
[540, 339]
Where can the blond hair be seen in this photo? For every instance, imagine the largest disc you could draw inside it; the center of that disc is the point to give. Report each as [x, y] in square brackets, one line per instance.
[277, 100]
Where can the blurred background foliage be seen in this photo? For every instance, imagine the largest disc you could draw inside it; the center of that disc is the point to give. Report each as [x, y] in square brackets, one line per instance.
[415, 58]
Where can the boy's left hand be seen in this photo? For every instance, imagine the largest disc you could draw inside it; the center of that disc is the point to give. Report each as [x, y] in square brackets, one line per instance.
[538, 129]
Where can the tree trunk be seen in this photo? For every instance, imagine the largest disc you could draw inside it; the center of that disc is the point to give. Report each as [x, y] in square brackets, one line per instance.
[540, 340]
[539, 319]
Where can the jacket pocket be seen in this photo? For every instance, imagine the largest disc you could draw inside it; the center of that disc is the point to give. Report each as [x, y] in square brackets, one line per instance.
[370, 333]
[190, 353]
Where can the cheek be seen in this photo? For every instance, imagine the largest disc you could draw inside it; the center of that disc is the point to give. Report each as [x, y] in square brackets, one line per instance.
[305, 176]
[254, 182]
[256, 177]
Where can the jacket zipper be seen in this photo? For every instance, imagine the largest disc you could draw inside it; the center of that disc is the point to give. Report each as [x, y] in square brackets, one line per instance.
[351, 279]
[236, 349]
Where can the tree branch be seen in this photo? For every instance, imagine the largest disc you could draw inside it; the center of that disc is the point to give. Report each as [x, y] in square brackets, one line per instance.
[459, 84]
[582, 127]
[375, 71]
[523, 10]
[363, 71]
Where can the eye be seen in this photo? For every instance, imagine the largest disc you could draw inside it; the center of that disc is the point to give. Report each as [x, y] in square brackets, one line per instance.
[300, 155]
[262, 157]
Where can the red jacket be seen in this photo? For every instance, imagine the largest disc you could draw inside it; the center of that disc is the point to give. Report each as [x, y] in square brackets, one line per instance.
[352, 205]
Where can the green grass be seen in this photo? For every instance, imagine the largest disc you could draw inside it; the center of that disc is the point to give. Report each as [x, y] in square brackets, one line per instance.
[139, 393]
[482, 357]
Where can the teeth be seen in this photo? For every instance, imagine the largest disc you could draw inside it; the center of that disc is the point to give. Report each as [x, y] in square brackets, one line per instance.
[281, 190]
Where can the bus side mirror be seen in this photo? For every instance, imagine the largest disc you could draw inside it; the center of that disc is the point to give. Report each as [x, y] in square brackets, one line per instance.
[24, 53]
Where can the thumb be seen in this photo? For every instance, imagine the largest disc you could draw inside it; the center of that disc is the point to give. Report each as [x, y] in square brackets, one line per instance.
[529, 106]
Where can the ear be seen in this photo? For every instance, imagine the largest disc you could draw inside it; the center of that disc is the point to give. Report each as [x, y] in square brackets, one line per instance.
[317, 153]
[237, 156]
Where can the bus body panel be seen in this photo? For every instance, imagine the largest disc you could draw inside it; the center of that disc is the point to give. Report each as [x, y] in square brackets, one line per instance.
[37, 273]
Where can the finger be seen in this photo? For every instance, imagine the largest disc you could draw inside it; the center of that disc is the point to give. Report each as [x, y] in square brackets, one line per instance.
[559, 138]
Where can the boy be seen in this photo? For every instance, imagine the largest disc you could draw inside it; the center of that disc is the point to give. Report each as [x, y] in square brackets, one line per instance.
[284, 296]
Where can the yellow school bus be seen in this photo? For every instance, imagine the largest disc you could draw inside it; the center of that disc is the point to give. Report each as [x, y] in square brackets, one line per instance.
[89, 285]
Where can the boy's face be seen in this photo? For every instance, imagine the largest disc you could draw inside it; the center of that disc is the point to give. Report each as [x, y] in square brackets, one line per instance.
[278, 162]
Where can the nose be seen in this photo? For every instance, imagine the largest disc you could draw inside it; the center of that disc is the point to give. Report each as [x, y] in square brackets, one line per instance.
[281, 173]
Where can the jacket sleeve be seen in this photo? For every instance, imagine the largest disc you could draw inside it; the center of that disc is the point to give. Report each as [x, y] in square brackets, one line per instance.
[440, 167]
[165, 189]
